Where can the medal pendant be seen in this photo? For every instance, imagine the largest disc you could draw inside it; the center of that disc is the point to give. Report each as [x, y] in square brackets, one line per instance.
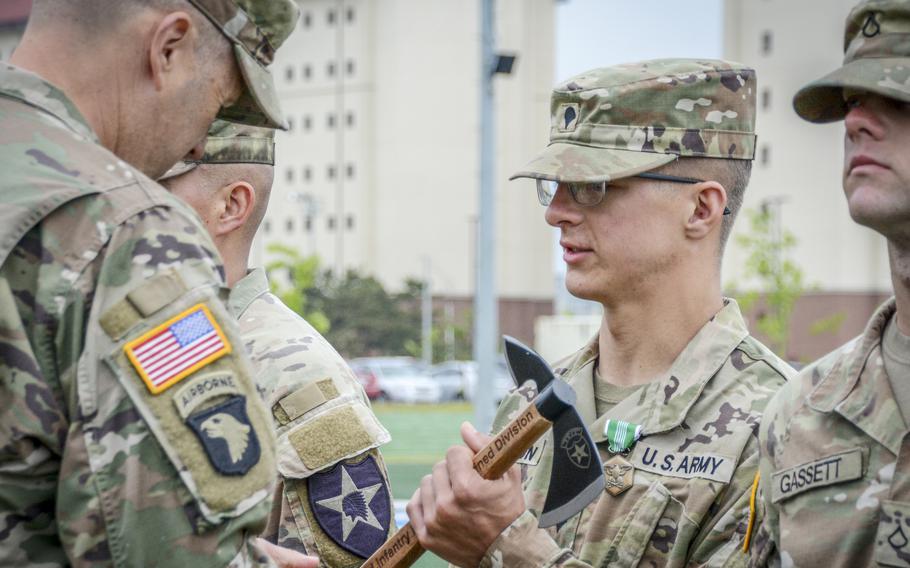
[618, 474]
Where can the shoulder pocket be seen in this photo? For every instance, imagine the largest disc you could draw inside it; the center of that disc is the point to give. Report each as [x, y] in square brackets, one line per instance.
[181, 367]
[319, 426]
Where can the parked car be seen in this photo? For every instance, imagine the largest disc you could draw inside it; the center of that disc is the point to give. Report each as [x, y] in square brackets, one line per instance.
[401, 379]
[368, 381]
[466, 373]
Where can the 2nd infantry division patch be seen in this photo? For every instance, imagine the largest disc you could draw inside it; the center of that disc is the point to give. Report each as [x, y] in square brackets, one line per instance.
[177, 348]
[351, 504]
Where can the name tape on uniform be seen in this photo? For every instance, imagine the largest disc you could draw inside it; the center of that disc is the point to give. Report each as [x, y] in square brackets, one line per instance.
[829, 470]
[686, 465]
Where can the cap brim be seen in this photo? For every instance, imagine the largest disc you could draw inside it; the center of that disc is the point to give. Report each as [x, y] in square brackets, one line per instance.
[823, 100]
[178, 170]
[258, 105]
[574, 163]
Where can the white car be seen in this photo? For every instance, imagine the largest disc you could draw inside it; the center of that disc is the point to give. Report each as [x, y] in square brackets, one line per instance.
[466, 372]
[401, 379]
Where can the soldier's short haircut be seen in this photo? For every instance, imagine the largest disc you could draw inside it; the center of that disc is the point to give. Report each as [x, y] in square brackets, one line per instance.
[732, 174]
[260, 176]
[96, 16]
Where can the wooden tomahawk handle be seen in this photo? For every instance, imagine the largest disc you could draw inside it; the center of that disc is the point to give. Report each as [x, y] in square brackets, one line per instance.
[403, 549]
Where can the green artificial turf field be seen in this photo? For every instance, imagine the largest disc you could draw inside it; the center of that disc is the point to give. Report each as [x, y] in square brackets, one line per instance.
[421, 434]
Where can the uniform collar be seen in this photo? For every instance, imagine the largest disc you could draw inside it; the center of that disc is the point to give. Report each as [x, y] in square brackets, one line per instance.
[32, 90]
[247, 289]
[663, 404]
[857, 387]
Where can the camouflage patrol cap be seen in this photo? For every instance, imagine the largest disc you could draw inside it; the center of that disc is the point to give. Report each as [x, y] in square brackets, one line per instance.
[876, 59]
[619, 121]
[230, 143]
[256, 28]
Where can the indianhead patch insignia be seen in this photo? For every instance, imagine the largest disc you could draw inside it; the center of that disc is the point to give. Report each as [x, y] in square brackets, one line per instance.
[351, 504]
[227, 436]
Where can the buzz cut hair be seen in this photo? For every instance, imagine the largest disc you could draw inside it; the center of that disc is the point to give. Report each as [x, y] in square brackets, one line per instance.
[734, 175]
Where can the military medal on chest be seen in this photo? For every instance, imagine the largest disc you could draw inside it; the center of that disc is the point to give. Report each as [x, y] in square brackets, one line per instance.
[618, 471]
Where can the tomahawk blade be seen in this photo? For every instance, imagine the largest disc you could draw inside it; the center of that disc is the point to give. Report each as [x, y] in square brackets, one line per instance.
[526, 364]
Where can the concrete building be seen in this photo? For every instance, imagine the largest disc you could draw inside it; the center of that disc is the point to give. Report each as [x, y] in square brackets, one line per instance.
[380, 169]
[797, 171]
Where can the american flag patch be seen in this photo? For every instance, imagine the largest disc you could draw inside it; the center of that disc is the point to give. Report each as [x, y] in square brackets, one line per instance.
[177, 348]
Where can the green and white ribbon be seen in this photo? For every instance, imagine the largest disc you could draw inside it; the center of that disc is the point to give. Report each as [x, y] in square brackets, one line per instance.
[621, 435]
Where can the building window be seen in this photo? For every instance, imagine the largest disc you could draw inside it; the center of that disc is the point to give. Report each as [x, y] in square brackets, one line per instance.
[307, 72]
[289, 175]
[331, 223]
[349, 171]
[289, 225]
[350, 222]
[765, 155]
[330, 17]
[767, 42]
[288, 73]
[349, 119]
[330, 69]
[330, 121]
[330, 172]
[307, 20]
[307, 173]
[308, 224]
[766, 99]
[350, 15]
[307, 122]
[349, 67]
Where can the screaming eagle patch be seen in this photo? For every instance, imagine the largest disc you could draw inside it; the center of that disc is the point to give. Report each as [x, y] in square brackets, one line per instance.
[227, 436]
[351, 504]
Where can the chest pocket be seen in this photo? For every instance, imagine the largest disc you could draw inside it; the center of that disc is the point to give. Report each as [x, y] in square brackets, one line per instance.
[637, 529]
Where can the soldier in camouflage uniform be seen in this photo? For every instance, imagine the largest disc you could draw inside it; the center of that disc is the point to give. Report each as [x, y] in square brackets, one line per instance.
[644, 163]
[326, 429]
[112, 321]
[835, 476]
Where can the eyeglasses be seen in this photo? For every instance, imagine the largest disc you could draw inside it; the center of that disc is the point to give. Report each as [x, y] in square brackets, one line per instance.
[591, 194]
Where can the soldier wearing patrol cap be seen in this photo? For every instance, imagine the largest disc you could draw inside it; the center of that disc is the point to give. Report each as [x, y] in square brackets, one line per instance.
[835, 480]
[328, 436]
[645, 161]
[115, 451]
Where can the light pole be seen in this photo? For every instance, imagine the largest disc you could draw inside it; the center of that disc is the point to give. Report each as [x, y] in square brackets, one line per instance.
[485, 308]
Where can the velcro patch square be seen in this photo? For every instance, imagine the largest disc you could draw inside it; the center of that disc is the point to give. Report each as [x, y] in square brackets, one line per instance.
[177, 348]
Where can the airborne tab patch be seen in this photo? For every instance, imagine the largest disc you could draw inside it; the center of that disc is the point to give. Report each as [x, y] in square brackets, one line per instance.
[177, 348]
[227, 436]
[351, 504]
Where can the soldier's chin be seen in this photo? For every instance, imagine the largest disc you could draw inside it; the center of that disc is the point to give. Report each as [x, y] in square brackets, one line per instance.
[886, 218]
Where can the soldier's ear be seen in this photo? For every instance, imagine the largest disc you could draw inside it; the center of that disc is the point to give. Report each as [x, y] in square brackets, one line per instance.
[706, 201]
[238, 201]
[172, 48]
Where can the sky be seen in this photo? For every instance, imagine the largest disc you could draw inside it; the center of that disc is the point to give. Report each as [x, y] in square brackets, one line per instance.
[596, 33]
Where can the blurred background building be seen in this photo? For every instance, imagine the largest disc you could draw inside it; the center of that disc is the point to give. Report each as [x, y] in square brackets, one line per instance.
[379, 170]
[797, 171]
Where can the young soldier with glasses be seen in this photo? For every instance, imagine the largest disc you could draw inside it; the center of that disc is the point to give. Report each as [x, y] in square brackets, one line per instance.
[644, 161]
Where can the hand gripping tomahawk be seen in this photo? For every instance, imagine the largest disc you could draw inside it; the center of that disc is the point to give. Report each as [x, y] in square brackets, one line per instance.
[577, 477]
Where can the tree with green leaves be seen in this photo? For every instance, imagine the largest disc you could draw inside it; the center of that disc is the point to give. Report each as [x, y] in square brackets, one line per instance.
[781, 282]
[292, 276]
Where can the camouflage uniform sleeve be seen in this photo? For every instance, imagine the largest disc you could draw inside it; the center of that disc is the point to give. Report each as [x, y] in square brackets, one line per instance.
[763, 549]
[334, 499]
[169, 458]
[523, 543]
